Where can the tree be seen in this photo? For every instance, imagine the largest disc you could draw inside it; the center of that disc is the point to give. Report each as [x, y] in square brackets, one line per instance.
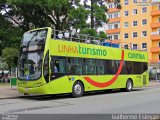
[78, 18]
[3, 65]
[97, 12]
[10, 36]
[61, 14]
[39, 13]
[10, 56]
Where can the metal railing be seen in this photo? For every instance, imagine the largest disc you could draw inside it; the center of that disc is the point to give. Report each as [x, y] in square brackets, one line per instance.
[155, 33]
[84, 38]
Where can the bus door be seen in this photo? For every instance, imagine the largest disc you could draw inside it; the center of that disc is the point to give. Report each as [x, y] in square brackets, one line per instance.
[57, 67]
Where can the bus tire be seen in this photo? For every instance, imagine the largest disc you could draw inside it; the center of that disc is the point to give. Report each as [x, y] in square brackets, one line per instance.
[77, 89]
[129, 85]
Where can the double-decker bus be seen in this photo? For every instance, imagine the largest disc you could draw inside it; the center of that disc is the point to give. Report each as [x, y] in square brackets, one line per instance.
[48, 64]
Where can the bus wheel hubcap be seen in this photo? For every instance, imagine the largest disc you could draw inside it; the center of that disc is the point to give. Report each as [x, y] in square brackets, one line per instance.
[129, 85]
[77, 89]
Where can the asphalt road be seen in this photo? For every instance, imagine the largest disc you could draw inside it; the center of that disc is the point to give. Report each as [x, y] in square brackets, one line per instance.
[139, 101]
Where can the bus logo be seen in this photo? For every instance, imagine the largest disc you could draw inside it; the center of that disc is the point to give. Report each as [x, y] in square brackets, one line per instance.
[81, 50]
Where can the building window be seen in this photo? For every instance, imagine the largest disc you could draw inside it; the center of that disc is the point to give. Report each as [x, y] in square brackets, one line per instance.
[144, 33]
[115, 37]
[144, 45]
[158, 44]
[159, 19]
[134, 35]
[125, 13]
[158, 31]
[144, 9]
[126, 2]
[134, 23]
[134, 46]
[115, 26]
[125, 35]
[116, 15]
[134, 1]
[125, 24]
[126, 46]
[110, 37]
[109, 16]
[110, 6]
[144, 21]
[158, 7]
[110, 27]
[135, 11]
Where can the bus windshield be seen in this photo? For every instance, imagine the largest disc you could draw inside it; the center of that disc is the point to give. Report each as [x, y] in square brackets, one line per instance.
[30, 65]
[34, 37]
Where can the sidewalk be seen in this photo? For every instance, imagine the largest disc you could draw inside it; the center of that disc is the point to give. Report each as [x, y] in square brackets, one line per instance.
[7, 92]
[153, 83]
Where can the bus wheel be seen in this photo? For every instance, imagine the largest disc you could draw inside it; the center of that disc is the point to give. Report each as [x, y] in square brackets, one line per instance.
[77, 89]
[129, 85]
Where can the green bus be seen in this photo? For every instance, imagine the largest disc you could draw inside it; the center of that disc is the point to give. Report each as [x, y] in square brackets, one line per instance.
[53, 62]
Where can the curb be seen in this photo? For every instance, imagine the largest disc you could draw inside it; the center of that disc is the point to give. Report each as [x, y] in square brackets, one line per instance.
[155, 84]
[9, 97]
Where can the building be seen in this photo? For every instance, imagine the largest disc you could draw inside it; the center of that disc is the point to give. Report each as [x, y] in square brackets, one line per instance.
[135, 26]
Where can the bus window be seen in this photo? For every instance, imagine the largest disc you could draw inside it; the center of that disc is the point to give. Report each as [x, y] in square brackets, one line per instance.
[110, 67]
[124, 70]
[130, 67]
[90, 66]
[58, 67]
[75, 66]
[99, 67]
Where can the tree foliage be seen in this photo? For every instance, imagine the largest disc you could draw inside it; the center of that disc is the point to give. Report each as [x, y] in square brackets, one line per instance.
[60, 14]
[97, 12]
[10, 36]
[10, 56]
[40, 13]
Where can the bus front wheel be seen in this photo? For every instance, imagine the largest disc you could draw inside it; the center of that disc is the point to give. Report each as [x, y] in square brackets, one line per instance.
[129, 85]
[77, 89]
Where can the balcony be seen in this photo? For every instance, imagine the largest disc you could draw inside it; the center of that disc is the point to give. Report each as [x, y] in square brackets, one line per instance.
[112, 20]
[109, 1]
[154, 61]
[155, 25]
[155, 13]
[118, 41]
[112, 10]
[155, 49]
[155, 36]
[112, 31]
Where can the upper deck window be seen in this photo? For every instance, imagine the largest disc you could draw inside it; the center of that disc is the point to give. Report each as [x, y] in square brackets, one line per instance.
[34, 37]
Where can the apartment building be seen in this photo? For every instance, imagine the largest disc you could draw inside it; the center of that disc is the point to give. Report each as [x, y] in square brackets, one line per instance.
[155, 35]
[135, 26]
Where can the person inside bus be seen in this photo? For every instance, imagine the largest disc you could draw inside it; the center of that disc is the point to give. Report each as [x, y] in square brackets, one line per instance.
[55, 69]
[129, 69]
[31, 69]
[73, 69]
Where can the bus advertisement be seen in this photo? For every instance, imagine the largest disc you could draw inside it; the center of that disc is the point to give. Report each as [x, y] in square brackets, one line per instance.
[52, 65]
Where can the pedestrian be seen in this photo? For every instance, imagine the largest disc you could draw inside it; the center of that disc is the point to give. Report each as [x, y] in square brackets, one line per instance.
[2, 77]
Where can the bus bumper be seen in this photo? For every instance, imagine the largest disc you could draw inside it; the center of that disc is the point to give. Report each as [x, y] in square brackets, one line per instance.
[31, 91]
